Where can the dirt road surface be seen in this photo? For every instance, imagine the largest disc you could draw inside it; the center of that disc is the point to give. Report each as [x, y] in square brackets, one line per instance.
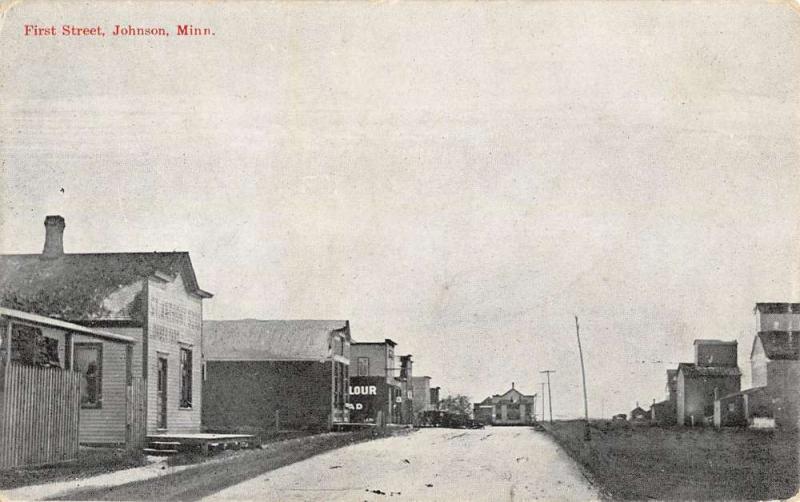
[492, 464]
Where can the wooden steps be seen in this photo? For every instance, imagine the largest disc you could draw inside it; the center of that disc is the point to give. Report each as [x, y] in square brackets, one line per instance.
[162, 448]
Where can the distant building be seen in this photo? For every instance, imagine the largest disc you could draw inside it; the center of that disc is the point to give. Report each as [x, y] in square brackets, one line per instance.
[422, 394]
[775, 365]
[263, 374]
[638, 414]
[665, 412]
[435, 397]
[775, 361]
[511, 408]
[406, 389]
[713, 374]
[374, 387]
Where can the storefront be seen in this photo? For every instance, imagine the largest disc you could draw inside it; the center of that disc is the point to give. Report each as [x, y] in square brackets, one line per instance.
[370, 395]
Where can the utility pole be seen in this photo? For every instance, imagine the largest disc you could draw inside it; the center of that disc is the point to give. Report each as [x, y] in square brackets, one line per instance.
[587, 434]
[549, 393]
[542, 400]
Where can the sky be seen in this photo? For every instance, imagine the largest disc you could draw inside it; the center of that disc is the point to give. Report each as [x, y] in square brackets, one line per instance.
[462, 178]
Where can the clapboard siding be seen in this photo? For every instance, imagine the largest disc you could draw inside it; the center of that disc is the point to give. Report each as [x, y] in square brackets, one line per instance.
[166, 335]
[107, 423]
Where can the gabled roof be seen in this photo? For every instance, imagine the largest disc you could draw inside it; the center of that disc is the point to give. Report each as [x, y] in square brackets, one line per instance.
[270, 340]
[496, 398]
[638, 411]
[75, 286]
[692, 370]
[779, 345]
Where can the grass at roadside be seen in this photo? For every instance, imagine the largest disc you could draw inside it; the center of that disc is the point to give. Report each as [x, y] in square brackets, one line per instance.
[677, 463]
[90, 462]
[210, 477]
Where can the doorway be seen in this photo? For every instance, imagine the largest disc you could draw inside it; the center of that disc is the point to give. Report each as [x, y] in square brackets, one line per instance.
[161, 392]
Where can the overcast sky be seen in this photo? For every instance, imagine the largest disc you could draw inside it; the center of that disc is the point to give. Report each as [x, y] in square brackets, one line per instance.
[462, 178]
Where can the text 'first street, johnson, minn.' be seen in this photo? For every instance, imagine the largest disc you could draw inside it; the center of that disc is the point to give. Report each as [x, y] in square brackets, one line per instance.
[127, 30]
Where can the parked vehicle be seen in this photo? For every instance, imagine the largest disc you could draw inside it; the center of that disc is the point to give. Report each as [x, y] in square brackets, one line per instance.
[438, 418]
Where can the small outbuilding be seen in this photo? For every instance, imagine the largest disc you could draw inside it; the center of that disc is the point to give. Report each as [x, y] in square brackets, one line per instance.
[639, 415]
[61, 384]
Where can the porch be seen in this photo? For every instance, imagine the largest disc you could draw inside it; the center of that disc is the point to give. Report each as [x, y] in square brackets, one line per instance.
[167, 444]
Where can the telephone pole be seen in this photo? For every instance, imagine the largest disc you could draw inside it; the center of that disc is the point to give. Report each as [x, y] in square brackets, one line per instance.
[542, 400]
[549, 393]
[587, 435]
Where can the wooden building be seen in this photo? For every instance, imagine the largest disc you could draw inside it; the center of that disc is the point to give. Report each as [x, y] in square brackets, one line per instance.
[152, 298]
[511, 408]
[714, 374]
[374, 388]
[267, 374]
[639, 414]
[775, 371]
[406, 389]
[54, 392]
[422, 395]
[665, 412]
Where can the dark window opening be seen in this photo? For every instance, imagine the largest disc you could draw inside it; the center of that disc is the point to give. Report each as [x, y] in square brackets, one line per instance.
[363, 366]
[30, 347]
[186, 378]
[89, 363]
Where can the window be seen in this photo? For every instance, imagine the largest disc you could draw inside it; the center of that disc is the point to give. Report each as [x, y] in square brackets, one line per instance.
[363, 366]
[89, 363]
[186, 378]
[338, 345]
[339, 384]
[30, 347]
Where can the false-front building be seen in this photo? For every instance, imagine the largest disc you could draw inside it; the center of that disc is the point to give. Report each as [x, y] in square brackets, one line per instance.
[152, 299]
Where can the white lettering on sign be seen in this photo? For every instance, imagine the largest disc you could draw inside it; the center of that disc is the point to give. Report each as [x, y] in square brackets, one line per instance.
[398, 399]
[359, 406]
[363, 390]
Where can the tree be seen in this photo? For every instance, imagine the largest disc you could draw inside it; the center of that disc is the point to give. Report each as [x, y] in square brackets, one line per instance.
[456, 404]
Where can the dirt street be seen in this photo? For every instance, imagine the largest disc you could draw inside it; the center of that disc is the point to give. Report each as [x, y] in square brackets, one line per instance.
[492, 464]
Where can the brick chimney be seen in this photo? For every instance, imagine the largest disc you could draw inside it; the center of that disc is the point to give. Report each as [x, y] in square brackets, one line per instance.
[53, 237]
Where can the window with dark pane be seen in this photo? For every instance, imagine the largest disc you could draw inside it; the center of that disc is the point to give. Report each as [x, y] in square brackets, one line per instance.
[186, 378]
[89, 363]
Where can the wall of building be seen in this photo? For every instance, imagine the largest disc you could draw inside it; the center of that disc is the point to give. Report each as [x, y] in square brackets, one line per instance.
[368, 395]
[730, 411]
[380, 357]
[106, 424]
[246, 395]
[422, 394]
[784, 390]
[175, 319]
[778, 322]
[716, 354]
[758, 365]
[696, 396]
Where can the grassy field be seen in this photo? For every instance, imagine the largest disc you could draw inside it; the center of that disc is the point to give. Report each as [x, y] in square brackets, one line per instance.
[677, 463]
